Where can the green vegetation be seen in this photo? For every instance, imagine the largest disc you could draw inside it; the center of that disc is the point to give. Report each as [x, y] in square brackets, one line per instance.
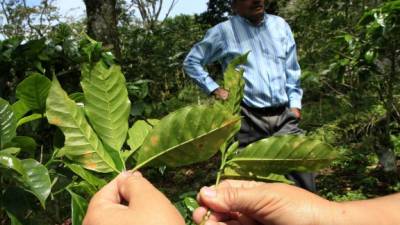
[72, 115]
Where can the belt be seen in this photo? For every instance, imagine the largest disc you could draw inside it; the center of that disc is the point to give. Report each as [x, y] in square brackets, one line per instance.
[274, 110]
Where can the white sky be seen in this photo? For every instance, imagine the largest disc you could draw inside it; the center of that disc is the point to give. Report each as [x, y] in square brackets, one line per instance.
[76, 8]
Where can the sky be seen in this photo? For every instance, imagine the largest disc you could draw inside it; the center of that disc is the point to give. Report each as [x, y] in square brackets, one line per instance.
[75, 8]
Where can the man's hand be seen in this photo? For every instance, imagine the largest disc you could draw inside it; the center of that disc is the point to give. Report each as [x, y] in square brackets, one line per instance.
[221, 94]
[297, 112]
[256, 203]
[145, 204]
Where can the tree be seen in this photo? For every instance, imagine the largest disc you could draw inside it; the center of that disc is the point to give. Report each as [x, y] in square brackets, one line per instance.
[150, 10]
[19, 19]
[102, 23]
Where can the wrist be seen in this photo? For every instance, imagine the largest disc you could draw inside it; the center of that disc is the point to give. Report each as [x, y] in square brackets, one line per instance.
[353, 213]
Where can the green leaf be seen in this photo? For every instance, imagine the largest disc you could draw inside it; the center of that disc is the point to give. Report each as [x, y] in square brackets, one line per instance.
[283, 154]
[190, 135]
[26, 144]
[29, 118]
[190, 203]
[82, 145]
[8, 123]
[20, 109]
[10, 151]
[13, 219]
[11, 162]
[33, 92]
[15, 203]
[234, 83]
[86, 175]
[237, 174]
[78, 208]
[137, 133]
[37, 179]
[106, 102]
[77, 97]
[33, 175]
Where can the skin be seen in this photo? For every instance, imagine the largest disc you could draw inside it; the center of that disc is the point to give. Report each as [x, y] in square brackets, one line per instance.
[252, 10]
[131, 200]
[255, 203]
[145, 204]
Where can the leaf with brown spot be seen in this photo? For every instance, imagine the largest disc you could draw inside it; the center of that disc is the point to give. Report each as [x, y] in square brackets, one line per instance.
[283, 154]
[82, 145]
[190, 135]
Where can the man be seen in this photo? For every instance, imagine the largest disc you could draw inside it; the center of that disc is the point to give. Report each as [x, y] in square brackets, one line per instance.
[272, 94]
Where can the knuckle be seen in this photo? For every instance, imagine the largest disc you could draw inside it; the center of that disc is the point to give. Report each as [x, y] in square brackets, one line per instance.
[230, 197]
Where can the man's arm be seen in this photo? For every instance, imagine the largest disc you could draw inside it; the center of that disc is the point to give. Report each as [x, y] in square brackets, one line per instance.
[204, 52]
[293, 72]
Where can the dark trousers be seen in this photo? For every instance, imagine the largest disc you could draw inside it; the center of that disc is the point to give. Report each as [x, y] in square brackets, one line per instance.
[262, 123]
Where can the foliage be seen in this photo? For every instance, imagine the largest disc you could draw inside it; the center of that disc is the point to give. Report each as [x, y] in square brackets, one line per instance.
[351, 102]
[21, 20]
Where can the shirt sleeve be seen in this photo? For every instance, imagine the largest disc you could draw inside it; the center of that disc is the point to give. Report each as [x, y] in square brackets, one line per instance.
[293, 72]
[204, 52]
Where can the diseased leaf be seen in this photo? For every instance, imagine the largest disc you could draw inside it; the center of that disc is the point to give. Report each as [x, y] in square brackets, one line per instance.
[33, 92]
[137, 133]
[190, 135]
[234, 84]
[283, 154]
[106, 102]
[78, 208]
[8, 123]
[37, 179]
[20, 109]
[82, 145]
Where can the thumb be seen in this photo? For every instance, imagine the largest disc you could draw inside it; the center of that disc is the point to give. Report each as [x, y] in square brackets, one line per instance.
[139, 192]
[248, 201]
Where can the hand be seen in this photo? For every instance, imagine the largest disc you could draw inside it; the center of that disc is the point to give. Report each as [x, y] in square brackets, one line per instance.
[297, 112]
[145, 204]
[221, 94]
[255, 203]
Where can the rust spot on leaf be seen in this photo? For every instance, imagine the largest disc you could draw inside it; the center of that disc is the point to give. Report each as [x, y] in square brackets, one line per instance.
[154, 140]
[56, 121]
[200, 145]
[91, 165]
[87, 155]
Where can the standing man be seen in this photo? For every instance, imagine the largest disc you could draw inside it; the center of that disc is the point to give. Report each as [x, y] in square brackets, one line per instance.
[272, 93]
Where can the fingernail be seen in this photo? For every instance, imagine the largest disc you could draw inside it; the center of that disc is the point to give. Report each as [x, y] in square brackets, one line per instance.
[209, 192]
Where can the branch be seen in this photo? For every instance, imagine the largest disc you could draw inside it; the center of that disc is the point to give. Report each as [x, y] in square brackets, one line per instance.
[5, 12]
[173, 4]
[28, 17]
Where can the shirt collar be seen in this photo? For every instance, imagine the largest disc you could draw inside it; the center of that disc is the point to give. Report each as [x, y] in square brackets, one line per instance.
[250, 23]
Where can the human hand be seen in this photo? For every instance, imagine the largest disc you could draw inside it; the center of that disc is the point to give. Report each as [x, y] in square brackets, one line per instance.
[297, 112]
[255, 203]
[221, 94]
[145, 204]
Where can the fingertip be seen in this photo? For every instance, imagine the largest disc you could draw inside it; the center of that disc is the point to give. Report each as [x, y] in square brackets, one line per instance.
[198, 214]
[208, 192]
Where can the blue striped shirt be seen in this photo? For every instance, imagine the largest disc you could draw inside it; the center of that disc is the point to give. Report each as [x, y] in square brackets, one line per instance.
[272, 73]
